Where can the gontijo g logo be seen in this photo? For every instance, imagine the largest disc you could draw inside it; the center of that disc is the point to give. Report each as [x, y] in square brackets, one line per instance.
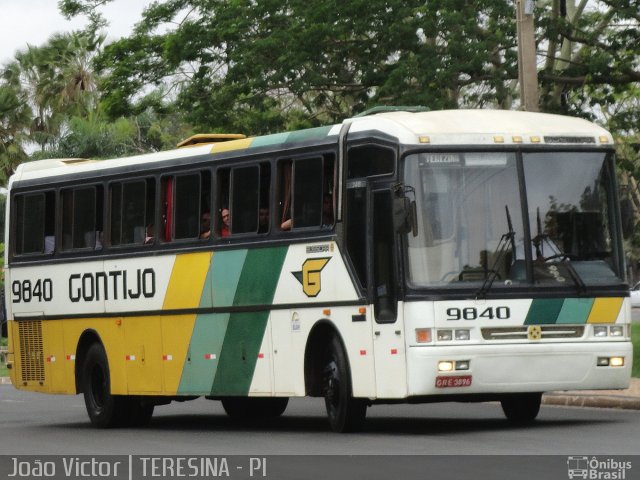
[309, 276]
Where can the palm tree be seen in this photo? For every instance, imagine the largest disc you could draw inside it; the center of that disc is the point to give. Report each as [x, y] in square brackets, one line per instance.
[58, 82]
[15, 116]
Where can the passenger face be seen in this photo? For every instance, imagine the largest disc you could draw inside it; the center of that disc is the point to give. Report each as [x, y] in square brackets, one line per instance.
[264, 216]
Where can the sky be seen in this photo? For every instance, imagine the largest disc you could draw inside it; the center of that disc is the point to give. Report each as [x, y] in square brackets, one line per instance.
[32, 22]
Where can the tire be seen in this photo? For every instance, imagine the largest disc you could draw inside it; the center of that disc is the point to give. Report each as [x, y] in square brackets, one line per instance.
[345, 413]
[522, 408]
[105, 410]
[254, 407]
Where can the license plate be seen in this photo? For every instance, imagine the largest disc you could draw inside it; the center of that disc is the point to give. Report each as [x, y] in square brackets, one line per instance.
[459, 381]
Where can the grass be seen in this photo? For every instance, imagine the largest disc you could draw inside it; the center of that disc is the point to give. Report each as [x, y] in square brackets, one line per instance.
[635, 338]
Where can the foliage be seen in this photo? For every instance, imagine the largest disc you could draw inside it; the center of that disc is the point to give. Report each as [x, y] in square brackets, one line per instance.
[15, 116]
[95, 136]
[56, 81]
[591, 59]
[259, 66]
[263, 66]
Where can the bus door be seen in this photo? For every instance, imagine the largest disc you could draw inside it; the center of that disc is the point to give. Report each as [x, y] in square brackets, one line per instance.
[388, 331]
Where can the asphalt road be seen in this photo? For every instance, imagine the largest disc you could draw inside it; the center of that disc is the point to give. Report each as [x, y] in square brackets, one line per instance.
[46, 424]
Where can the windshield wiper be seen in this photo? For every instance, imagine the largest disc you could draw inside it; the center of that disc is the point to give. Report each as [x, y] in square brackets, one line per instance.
[506, 240]
[538, 243]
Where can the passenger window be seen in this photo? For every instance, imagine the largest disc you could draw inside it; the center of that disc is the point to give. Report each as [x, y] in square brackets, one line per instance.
[243, 199]
[370, 160]
[306, 192]
[245, 191]
[132, 212]
[81, 218]
[186, 201]
[35, 223]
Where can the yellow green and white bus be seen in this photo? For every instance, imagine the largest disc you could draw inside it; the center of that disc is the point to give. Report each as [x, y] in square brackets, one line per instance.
[401, 256]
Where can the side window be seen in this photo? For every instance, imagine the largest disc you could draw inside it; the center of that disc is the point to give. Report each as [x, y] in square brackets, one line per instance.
[35, 223]
[356, 229]
[306, 192]
[81, 218]
[132, 212]
[186, 203]
[243, 199]
[370, 160]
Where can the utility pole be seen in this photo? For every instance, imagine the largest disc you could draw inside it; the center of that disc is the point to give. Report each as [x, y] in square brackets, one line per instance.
[527, 68]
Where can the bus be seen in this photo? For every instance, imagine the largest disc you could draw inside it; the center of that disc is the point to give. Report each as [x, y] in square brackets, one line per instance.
[402, 256]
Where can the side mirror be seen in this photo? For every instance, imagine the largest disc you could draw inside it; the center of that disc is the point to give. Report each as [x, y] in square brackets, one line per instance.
[405, 217]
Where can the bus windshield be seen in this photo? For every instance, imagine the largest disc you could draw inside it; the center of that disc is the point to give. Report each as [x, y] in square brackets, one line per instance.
[471, 226]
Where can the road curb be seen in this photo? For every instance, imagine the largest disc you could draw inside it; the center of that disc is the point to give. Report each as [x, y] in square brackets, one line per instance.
[597, 401]
[5, 381]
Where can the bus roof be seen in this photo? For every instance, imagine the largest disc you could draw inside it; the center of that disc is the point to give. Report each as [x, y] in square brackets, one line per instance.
[483, 127]
[445, 127]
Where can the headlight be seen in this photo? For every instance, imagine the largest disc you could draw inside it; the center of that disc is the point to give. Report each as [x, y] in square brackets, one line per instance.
[444, 335]
[600, 331]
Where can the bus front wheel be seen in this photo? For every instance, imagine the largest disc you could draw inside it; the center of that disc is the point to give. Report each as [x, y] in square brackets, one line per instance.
[105, 410]
[346, 414]
[521, 408]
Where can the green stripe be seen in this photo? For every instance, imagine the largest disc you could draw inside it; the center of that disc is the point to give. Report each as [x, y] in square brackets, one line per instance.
[209, 330]
[544, 311]
[317, 133]
[245, 331]
[240, 353]
[208, 336]
[575, 310]
[267, 140]
[309, 134]
[227, 268]
[260, 275]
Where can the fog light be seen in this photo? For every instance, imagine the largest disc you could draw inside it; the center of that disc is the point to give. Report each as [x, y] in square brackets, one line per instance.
[600, 331]
[423, 335]
[603, 361]
[616, 362]
[462, 364]
[616, 331]
[444, 335]
[445, 366]
[462, 334]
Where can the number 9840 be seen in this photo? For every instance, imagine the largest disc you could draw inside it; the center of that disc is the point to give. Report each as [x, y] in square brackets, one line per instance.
[473, 313]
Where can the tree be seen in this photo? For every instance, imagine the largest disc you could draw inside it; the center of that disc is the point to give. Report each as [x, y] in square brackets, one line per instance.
[15, 116]
[591, 59]
[267, 65]
[56, 81]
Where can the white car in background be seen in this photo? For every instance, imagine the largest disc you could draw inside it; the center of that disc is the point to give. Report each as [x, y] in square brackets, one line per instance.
[634, 293]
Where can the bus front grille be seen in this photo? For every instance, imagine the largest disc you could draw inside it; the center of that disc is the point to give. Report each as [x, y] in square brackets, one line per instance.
[31, 351]
[523, 332]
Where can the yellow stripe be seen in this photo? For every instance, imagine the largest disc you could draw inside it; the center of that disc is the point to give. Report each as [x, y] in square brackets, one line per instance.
[185, 291]
[231, 145]
[605, 310]
[187, 280]
[176, 334]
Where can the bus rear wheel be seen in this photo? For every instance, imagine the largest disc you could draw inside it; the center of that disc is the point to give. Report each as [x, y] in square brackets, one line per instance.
[522, 407]
[254, 407]
[105, 410]
[345, 413]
